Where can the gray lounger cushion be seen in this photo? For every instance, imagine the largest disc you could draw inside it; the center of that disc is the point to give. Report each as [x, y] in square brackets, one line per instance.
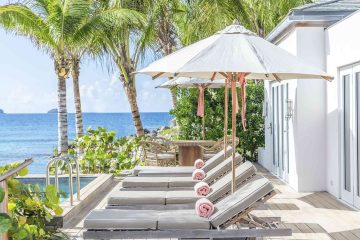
[133, 182]
[223, 167]
[181, 197]
[246, 196]
[219, 189]
[156, 173]
[214, 173]
[223, 184]
[216, 159]
[181, 219]
[121, 219]
[137, 198]
[174, 182]
[144, 170]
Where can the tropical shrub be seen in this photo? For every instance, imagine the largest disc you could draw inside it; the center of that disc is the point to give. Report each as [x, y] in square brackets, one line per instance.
[103, 152]
[190, 124]
[30, 208]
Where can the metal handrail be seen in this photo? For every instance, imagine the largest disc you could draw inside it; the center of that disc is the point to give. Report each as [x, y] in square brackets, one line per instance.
[67, 160]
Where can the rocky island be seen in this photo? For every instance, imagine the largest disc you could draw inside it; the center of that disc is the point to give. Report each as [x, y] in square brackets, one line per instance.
[54, 110]
[1, 111]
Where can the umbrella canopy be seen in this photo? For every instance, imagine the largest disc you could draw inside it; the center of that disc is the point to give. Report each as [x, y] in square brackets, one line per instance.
[236, 54]
[234, 49]
[186, 82]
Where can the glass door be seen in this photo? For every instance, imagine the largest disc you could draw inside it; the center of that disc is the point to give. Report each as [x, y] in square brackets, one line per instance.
[347, 146]
[350, 161]
[280, 135]
[356, 164]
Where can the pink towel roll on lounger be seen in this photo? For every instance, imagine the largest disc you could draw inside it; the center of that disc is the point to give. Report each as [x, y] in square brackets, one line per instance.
[204, 208]
[202, 188]
[198, 174]
[199, 163]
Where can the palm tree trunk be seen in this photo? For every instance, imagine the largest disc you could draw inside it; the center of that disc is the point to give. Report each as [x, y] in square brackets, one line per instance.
[78, 113]
[173, 92]
[131, 95]
[62, 69]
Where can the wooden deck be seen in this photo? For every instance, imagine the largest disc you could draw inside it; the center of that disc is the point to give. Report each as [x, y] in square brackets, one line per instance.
[310, 215]
[313, 215]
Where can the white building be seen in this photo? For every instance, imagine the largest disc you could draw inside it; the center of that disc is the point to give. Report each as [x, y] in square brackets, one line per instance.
[312, 132]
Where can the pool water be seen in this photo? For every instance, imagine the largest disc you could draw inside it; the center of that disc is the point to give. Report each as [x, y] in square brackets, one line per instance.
[63, 183]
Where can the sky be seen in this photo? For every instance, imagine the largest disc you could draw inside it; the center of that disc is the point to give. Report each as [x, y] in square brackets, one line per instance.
[28, 83]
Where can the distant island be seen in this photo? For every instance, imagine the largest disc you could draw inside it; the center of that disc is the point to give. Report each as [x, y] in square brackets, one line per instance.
[1, 111]
[54, 110]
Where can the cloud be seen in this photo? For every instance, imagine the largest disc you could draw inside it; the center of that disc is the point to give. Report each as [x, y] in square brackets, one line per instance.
[28, 84]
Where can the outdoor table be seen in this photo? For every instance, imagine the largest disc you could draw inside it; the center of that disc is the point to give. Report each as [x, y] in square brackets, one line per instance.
[189, 150]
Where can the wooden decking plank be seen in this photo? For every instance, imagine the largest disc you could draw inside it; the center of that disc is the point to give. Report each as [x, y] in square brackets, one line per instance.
[304, 228]
[349, 235]
[337, 236]
[293, 227]
[321, 203]
[356, 232]
[333, 201]
[316, 228]
[310, 200]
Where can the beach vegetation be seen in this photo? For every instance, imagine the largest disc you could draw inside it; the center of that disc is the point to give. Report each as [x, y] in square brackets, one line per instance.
[104, 152]
[30, 208]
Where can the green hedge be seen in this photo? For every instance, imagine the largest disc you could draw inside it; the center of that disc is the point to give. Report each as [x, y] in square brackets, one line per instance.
[190, 124]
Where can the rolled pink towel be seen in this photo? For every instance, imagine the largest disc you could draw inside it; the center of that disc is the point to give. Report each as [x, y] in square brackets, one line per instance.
[199, 163]
[204, 208]
[198, 174]
[202, 188]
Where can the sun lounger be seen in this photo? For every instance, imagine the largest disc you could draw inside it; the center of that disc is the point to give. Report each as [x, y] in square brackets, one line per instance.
[233, 211]
[177, 183]
[179, 199]
[181, 171]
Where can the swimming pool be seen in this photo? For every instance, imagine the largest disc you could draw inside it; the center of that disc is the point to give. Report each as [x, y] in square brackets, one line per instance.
[63, 182]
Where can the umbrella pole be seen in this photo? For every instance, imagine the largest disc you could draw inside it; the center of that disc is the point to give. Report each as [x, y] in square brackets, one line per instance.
[203, 127]
[233, 125]
[226, 116]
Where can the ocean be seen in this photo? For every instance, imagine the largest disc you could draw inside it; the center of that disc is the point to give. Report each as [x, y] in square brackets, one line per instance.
[35, 135]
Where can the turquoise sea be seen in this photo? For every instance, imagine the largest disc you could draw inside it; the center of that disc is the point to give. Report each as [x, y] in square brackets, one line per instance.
[35, 135]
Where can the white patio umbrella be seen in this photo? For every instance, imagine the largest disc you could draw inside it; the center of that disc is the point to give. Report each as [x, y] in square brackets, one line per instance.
[201, 84]
[236, 54]
[187, 82]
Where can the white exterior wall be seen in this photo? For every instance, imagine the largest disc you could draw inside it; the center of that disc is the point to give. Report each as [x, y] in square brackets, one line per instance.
[307, 127]
[342, 49]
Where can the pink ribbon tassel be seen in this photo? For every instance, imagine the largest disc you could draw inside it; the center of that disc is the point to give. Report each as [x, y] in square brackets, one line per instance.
[201, 99]
[242, 82]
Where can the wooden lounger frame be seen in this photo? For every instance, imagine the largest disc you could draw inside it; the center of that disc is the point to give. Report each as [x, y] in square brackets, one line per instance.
[255, 227]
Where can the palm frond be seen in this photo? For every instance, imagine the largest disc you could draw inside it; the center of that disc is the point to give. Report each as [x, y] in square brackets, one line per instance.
[21, 20]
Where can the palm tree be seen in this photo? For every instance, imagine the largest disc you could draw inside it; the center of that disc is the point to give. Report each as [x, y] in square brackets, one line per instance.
[204, 18]
[75, 73]
[55, 26]
[125, 47]
[163, 14]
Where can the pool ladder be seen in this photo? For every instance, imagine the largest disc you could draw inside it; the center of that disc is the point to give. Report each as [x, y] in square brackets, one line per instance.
[67, 160]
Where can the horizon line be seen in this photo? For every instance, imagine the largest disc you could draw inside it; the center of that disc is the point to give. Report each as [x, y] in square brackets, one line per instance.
[74, 112]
